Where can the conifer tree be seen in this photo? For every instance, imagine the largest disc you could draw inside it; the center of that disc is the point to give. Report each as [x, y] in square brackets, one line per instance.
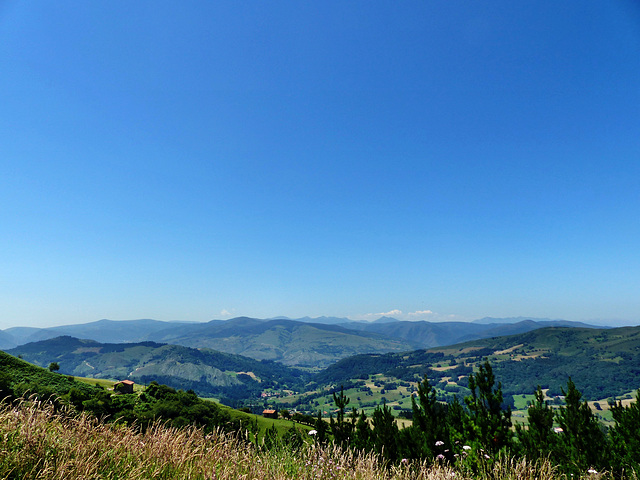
[625, 435]
[457, 418]
[385, 433]
[362, 433]
[537, 439]
[321, 428]
[270, 439]
[488, 422]
[340, 429]
[582, 443]
[429, 419]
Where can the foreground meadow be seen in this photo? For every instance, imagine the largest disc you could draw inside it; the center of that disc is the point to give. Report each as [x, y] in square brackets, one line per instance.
[36, 442]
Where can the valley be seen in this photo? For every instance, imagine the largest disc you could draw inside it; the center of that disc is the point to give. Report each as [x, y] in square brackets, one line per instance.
[603, 362]
[365, 401]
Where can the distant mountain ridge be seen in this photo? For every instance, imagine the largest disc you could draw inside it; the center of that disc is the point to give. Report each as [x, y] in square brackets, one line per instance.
[547, 321]
[6, 340]
[423, 334]
[108, 331]
[326, 320]
[304, 342]
[290, 342]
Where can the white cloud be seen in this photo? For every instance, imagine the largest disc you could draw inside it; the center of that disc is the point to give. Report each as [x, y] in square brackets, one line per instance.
[395, 313]
[431, 316]
[421, 313]
[418, 315]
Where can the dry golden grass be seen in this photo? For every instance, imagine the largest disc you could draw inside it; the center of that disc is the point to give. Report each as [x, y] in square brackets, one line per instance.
[36, 443]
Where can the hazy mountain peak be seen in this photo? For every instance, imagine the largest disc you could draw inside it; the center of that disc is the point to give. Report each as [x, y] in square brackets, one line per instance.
[386, 320]
[489, 320]
[323, 319]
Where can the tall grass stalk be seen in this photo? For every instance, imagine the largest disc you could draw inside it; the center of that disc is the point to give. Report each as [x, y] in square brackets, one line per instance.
[38, 443]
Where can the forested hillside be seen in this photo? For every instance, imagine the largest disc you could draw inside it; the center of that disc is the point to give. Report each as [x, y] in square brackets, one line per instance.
[604, 362]
[286, 341]
[19, 378]
[206, 371]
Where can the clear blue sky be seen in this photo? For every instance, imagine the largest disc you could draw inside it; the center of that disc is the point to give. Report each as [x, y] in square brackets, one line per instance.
[434, 159]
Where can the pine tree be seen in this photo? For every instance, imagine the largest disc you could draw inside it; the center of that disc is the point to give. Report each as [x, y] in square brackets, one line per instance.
[385, 433]
[489, 423]
[429, 419]
[270, 439]
[362, 433]
[321, 428]
[582, 443]
[340, 429]
[537, 439]
[457, 419]
[625, 435]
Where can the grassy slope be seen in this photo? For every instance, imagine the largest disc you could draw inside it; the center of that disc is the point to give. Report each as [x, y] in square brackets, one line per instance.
[38, 444]
[281, 425]
[174, 365]
[20, 371]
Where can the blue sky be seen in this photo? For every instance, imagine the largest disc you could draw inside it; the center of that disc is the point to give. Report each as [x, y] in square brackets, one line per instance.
[434, 159]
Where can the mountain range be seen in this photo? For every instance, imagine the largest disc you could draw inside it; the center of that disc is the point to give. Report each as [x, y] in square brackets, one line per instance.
[603, 362]
[302, 342]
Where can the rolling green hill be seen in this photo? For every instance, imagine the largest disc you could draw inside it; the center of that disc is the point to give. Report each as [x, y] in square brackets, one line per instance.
[291, 342]
[205, 371]
[19, 375]
[156, 402]
[602, 362]
[287, 341]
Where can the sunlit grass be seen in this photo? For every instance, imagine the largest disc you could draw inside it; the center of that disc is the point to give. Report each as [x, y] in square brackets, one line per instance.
[37, 443]
[106, 384]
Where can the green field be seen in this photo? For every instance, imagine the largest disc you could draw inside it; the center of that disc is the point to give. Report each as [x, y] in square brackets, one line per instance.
[106, 384]
[522, 401]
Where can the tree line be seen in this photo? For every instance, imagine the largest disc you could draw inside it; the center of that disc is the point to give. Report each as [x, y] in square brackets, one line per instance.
[479, 430]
